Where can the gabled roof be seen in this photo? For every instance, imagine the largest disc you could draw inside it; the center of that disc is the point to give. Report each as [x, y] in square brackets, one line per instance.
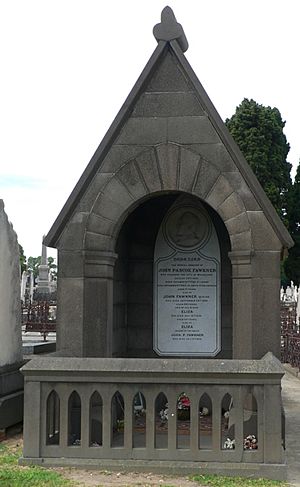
[170, 36]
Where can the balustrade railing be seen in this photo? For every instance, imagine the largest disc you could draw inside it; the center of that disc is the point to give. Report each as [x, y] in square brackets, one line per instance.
[153, 409]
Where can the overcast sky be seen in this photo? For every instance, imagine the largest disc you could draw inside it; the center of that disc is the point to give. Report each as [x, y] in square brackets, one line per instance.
[68, 65]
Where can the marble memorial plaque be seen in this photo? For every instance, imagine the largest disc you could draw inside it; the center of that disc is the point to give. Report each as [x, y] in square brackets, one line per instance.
[187, 283]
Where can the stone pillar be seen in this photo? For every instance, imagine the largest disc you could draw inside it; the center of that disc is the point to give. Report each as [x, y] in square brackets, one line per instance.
[70, 302]
[32, 410]
[242, 304]
[98, 303]
[272, 424]
[266, 303]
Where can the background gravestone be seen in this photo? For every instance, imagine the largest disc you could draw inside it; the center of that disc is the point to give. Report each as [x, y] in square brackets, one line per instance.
[11, 381]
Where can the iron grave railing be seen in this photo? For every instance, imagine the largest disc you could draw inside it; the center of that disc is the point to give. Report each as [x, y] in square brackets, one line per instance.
[290, 335]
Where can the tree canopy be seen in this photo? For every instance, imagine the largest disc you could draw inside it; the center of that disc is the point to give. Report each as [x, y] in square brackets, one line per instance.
[22, 259]
[258, 131]
[292, 263]
[34, 262]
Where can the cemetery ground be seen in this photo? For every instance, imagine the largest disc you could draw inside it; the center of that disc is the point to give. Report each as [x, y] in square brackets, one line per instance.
[13, 475]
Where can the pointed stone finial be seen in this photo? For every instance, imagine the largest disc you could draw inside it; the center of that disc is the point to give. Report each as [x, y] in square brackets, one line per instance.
[169, 29]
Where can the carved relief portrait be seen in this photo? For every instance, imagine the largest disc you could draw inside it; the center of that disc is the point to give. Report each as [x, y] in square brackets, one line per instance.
[187, 228]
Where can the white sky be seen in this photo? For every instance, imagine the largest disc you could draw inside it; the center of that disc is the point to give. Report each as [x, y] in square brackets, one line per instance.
[68, 65]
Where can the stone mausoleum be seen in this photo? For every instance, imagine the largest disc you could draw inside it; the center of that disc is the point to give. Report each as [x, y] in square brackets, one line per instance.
[168, 332]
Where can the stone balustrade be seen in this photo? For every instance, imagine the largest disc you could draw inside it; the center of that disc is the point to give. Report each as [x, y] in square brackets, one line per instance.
[117, 412]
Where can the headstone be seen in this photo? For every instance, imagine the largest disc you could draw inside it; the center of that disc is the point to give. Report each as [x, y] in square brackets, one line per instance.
[187, 283]
[31, 286]
[11, 380]
[23, 285]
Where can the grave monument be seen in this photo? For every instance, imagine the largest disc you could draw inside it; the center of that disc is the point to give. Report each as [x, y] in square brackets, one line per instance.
[168, 282]
[43, 281]
[11, 380]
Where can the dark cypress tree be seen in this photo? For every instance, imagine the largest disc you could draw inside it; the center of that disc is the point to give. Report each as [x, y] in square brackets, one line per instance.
[258, 131]
[292, 263]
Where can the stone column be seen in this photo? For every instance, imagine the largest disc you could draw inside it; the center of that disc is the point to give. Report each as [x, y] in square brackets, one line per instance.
[242, 304]
[70, 300]
[98, 303]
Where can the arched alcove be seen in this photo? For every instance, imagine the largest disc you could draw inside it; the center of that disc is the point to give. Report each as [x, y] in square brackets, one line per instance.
[133, 313]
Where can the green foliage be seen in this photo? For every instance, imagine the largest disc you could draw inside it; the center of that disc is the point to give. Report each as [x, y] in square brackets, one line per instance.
[292, 263]
[22, 259]
[294, 205]
[33, 265]
[11, 475]
[258, 131]
[220, 481]
[52, 266]
[34, 262]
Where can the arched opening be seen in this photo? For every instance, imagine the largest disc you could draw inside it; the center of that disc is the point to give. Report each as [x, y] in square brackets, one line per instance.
[250, 420]
[161, 421]
[139, 421]
[52, 415]
[117, 415]
[183, 422]
[227, 423]
[205, 422]
[74, 410]
[96, 419]
[134, 300]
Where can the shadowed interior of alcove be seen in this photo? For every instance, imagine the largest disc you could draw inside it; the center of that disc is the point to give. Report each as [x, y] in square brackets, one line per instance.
[133, 280]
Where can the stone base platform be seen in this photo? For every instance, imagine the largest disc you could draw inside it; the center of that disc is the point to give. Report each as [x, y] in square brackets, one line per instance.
[248, 470]
[11, 395]
[34, 347]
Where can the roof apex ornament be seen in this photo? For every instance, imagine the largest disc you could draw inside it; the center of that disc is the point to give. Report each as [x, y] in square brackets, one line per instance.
[169, 29]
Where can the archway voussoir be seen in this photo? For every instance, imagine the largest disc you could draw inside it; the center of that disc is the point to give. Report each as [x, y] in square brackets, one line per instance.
[96, 222]
[118, 192]
[148, 166]
[207, 177]
[188, 167]
[132, 180]
[231, 207]
[238, 224]
[95, 241]
[220, 191]
[241, 241]
[107, 208]
[167, 157]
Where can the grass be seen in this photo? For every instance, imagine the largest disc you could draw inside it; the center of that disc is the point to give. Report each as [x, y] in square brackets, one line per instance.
[12, 475]
[220, 481]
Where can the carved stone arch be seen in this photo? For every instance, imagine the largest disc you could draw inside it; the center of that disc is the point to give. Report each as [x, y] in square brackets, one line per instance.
[165, 167]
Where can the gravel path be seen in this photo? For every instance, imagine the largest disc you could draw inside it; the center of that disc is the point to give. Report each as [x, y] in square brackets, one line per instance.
[291, 402]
